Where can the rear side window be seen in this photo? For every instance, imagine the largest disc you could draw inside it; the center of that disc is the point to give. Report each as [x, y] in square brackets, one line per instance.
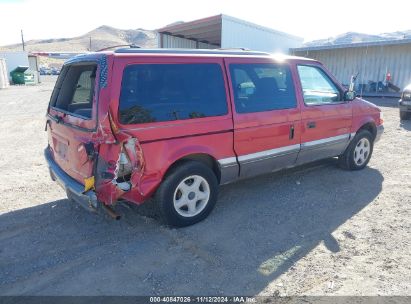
[262, 87]
[74, 91]
[317, 87]
[166, 92]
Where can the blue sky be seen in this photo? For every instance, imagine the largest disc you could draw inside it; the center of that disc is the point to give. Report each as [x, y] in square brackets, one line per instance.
[311, 20]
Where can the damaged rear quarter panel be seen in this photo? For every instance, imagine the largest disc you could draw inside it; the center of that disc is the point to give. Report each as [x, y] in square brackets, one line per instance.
[161, 155]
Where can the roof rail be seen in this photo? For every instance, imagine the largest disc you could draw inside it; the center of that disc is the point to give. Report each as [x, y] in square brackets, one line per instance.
[119, 45]
[234, 49]
[191, 51]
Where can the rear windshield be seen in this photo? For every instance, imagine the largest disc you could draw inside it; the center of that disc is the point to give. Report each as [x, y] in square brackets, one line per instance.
[165, 92]
[74, 90]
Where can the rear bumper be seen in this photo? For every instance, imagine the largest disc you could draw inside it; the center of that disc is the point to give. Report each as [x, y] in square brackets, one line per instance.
[404, 108]
[404, 105]
[73, 188]
[380, 130]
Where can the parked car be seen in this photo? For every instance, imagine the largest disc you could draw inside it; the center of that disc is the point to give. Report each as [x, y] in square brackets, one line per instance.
[54, 71]
[405, 103]
[174, 124]
[45, 71]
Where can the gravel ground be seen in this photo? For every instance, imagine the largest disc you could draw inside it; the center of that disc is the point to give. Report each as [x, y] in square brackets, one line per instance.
[316, 230]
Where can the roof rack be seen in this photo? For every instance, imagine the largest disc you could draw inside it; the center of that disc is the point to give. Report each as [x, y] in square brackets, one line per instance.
[192, 51]
[234, 49]
[119, 45]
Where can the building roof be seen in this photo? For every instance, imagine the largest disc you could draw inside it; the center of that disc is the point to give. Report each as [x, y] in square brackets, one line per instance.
[203, 30]
[353, 45]
[209, 29]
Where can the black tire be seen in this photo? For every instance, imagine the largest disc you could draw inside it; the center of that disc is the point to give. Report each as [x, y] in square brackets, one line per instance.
[164, 196]
[347, 159]
[404, 115]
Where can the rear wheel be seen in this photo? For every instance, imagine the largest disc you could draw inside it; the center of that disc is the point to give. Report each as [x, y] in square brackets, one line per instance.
[404, 115]
[359, 151]
[187, 195]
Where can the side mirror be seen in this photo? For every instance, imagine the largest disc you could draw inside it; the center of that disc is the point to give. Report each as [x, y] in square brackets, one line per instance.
[349, 95]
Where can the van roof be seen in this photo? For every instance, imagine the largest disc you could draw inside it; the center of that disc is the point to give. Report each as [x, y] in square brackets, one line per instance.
[202, 52]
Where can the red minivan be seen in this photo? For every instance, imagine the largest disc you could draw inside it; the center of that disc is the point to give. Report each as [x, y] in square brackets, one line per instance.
[174, 124]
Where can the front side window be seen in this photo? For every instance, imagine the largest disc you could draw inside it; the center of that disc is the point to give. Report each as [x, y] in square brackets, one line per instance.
[317, 87]
[262, 87]
[167, 92]
[76, 90]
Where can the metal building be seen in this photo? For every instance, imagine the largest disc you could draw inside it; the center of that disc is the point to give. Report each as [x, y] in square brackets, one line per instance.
[226, 32]
[371, 60]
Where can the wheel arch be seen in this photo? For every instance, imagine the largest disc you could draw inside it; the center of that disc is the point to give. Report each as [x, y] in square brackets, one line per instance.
[203, 158]
[369, 126]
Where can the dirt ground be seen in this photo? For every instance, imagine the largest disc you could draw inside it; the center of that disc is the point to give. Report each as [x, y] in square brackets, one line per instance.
[316, 230]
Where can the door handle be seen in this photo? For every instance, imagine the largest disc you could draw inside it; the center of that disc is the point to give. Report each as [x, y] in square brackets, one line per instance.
[291, 135]
[311, 125]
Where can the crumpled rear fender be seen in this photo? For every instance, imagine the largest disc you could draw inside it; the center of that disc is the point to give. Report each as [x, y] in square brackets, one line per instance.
[111, 185]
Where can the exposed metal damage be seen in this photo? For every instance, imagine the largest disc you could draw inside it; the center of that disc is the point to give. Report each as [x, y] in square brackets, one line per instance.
[118, 164]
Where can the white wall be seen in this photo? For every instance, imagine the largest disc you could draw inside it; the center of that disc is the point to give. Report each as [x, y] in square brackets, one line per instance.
[237, 33]
[14, 59]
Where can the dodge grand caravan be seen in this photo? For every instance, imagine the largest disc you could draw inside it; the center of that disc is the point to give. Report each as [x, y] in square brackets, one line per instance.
[134, 124]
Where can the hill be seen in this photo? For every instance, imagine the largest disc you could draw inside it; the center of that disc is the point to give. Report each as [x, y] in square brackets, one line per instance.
[353, 37]
[101, 37]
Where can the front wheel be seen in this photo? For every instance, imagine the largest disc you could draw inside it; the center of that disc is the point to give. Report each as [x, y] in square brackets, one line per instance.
[359, 151]
[187, 195]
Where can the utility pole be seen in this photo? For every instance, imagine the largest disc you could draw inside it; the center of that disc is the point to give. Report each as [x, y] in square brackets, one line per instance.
[90, 45]
[22, 40]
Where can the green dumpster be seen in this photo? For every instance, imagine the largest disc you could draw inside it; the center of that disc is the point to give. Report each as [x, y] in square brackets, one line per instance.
[17, 75]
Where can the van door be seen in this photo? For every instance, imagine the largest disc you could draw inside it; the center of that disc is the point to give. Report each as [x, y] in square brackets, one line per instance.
[266, 115]
[326, 117]
[72, 118]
